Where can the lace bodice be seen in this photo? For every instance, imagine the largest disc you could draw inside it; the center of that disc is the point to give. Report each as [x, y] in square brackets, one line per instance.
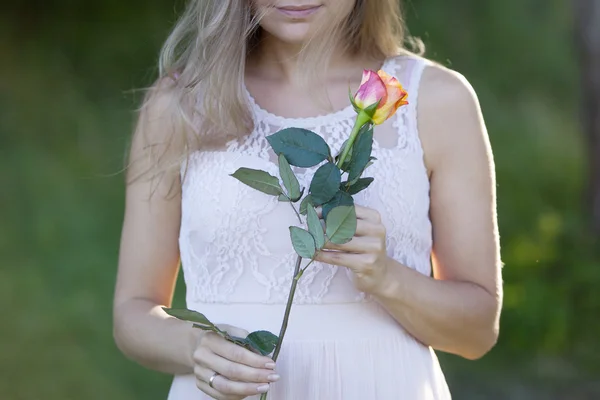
[234, 241]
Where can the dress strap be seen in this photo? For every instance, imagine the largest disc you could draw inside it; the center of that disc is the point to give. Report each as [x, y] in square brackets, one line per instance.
[409, 70]
[415, 67]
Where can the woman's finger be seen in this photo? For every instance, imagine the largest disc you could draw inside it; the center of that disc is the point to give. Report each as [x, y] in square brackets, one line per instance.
[233, 330]
[358, 244]
[363, 213]
[236, 371]
[203, 375]
[236, 353]
[368, 214]
[215, 394]
[225, 387]
[355, 262]
[368, 228]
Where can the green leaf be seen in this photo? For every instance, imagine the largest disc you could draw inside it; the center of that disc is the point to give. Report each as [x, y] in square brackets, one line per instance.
[189, 315]
[259, 180]
[346, 164]
[342, 150]
[234, 339]
[360, 184]
[370, 110]
[341, 198]
[262, 341]
[289, 179]
[205, 327]
[371, 159]
[303, 242]
[352, 182]
[315, 228]
[325, 183]
[361, 153]
[341, 224]
[284, 197]
[352, 101]
[301, 147]
[238, 340]
[304, 204]
[299, 197]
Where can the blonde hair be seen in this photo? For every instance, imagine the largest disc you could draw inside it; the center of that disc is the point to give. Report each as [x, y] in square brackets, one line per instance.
[202, 66]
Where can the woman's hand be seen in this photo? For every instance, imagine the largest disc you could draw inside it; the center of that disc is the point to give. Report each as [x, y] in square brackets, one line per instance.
[365, 254]
[241, 373]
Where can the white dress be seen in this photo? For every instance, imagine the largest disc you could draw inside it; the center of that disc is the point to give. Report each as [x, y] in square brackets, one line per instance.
[238, 261]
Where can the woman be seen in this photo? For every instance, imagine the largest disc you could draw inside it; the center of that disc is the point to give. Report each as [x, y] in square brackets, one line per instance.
[423, 270]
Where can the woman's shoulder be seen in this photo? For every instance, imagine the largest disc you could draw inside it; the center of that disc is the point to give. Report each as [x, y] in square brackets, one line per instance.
[162, 109]
[159, 136]
[446, 88]
[425, 74]
[449, 116]
[434, 88]
[439, 89]
[159, 100]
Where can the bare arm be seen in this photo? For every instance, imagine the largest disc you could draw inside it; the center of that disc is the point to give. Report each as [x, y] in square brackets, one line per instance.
[457, 310]
[149, 258]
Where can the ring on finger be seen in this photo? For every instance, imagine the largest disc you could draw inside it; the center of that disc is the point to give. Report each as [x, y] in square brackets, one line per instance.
[212, 379]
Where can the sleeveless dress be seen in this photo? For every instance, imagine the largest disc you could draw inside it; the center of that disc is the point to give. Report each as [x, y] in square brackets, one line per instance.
[238, 260]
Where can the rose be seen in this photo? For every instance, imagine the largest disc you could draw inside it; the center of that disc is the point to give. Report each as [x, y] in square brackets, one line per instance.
[381, 89]
[376, 100]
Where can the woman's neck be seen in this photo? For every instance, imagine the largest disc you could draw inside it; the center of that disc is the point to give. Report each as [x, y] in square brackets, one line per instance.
[280, 60]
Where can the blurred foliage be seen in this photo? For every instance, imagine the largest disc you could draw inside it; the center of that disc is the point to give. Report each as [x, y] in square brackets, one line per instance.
[67, 102]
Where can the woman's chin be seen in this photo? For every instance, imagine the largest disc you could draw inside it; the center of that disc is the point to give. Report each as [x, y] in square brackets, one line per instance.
[294, 35]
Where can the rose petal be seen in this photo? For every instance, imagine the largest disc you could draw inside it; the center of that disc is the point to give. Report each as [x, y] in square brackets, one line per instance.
[372, 89]
[396, 97]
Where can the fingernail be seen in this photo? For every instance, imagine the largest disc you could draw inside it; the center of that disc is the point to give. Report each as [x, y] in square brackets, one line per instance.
[262, 389]
[270, 365]
[273, 377]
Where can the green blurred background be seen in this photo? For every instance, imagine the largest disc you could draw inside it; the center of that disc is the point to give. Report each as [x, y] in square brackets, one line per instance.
[68, 71]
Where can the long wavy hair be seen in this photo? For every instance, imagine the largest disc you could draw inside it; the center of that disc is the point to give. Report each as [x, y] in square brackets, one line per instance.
[202, 68]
